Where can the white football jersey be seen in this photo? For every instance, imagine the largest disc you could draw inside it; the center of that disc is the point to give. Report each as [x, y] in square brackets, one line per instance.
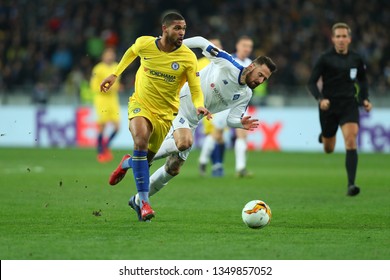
[220, 83]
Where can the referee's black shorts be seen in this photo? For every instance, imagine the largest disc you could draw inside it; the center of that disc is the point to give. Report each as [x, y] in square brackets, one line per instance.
[341, 111]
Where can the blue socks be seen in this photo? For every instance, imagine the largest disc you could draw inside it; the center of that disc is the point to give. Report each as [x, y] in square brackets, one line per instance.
[113, 134]
[100, 143]
[218, 153]
[140, 168]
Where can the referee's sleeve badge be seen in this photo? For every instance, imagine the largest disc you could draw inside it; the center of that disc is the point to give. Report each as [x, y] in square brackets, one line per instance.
[353, 73]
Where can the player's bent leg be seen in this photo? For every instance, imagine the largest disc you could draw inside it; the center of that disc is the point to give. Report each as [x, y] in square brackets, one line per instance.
[160, 178]
[167, 147]
[173, 164]
[180, 140]
[164, 174]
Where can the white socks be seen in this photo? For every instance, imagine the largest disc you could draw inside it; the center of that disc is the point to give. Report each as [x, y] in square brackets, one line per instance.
[240, 148]
[207, 149]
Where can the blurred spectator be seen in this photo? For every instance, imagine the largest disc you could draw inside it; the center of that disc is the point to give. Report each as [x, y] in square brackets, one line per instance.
[62, 59]
[71, 34]
[74, 85]
[40, 95]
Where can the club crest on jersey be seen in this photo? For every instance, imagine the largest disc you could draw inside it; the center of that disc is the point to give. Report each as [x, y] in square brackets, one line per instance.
[236, 96]
[225, 82]
[175, 65]
[353, 73]
[182, 120]
[136, 110]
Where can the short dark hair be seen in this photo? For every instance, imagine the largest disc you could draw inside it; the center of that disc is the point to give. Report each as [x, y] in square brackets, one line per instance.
[171, 16]
[260, 60]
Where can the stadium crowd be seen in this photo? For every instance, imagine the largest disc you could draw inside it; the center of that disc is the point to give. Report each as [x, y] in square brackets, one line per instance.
[51, 46]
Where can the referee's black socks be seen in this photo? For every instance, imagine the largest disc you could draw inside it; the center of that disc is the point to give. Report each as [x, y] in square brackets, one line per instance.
[351, 161]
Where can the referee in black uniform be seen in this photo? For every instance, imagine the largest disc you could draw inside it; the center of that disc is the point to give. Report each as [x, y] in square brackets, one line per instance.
[343, 75]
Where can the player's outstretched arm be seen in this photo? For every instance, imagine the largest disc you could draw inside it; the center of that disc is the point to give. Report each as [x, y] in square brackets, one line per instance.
[236, 119]
[107, 83]
[208, 48]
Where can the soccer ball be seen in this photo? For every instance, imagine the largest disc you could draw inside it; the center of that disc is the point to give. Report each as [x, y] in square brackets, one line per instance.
[256, 214]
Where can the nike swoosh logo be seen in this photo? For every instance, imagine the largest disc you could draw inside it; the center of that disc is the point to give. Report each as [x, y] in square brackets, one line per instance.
[146, 58]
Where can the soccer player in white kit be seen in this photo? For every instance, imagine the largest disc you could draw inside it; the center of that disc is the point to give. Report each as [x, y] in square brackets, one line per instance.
[226, 84]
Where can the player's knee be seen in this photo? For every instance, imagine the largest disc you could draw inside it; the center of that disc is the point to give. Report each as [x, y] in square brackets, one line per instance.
[184, 144]
[350, 143]
[140, 145]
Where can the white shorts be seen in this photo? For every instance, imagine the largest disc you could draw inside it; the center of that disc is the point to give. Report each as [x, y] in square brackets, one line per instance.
[182, 122]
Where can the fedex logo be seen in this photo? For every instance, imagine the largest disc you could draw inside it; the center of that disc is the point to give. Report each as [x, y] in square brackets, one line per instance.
[65, 128]
[269, 132]
[378, 135]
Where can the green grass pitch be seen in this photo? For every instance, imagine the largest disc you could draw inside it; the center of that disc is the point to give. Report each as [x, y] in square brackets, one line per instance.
[48, 197]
